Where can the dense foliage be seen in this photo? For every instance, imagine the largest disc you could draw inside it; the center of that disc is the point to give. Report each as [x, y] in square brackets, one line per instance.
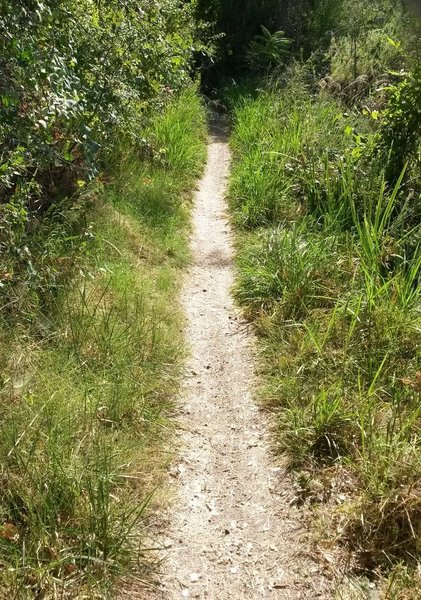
[101, 140]
[236, 22]
[326, 192]
[99, 144]
[75, 79]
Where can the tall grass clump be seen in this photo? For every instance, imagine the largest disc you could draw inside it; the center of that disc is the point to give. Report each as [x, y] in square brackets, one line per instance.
[86, 394]
[288, 270]
[329, 270]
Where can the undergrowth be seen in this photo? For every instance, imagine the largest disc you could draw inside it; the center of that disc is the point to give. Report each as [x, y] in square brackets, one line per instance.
[329, 270]
[87, 386]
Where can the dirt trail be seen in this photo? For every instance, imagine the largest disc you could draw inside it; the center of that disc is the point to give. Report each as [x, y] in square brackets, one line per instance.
[233, 533]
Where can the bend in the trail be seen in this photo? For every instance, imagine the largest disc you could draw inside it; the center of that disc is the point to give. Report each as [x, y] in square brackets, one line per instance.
[233, 533]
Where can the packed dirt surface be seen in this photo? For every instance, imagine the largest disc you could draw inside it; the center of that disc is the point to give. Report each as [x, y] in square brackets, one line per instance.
[233, 533]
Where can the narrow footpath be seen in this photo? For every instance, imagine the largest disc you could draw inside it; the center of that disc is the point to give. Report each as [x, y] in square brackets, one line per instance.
[233, 533]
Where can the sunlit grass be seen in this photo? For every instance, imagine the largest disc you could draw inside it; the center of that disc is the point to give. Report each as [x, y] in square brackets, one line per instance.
[86, 406]
[329, 273]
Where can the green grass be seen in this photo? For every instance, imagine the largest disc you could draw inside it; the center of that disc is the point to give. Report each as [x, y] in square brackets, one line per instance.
[288, 270]
[86, 399]
[329, 273]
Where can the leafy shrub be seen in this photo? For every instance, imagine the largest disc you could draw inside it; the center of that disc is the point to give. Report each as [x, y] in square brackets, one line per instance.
[239, 21]
[400, 133]
[77, 79]
[267, 50]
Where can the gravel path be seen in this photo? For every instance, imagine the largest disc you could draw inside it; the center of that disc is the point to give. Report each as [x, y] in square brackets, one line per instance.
[233, 533]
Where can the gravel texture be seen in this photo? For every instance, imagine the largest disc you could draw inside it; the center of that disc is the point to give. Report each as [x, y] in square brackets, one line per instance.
[234, 532]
